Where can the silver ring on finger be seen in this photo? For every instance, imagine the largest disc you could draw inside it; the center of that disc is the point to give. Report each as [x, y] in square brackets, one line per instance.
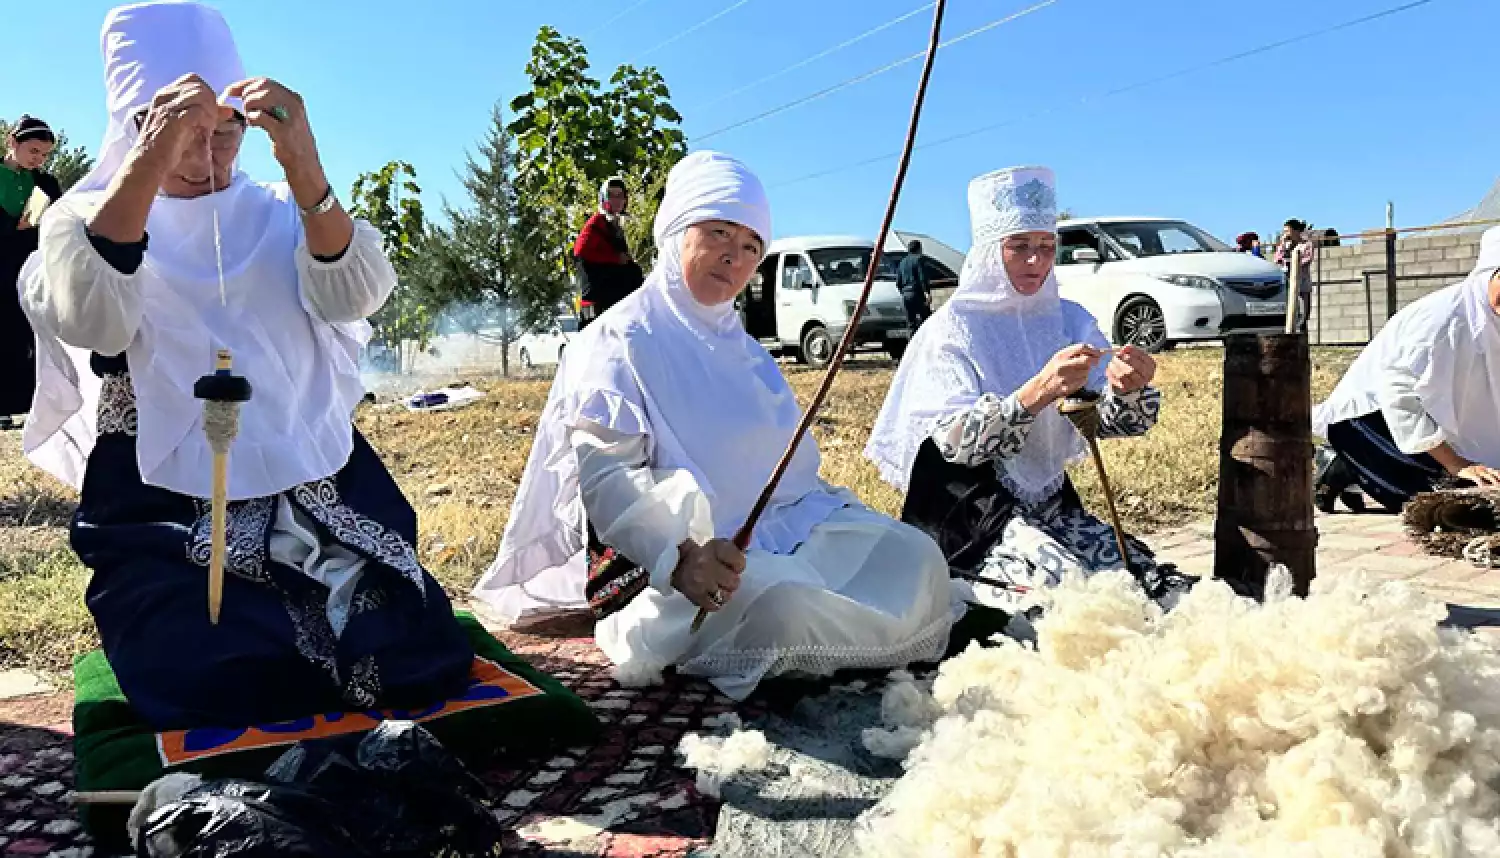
[717, 597]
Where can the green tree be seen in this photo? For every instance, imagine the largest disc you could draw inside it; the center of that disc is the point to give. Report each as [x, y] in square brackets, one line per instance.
[571, 135]
[484, 267]
[390, 199]
[67, 163]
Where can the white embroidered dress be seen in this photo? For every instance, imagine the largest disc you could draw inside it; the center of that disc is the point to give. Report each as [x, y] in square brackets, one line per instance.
[664, 422]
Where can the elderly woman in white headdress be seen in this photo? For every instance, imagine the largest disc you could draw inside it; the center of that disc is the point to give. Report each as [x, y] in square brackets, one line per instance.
[1420, 407]
[663, 425]
[971, 428]
[162, 255]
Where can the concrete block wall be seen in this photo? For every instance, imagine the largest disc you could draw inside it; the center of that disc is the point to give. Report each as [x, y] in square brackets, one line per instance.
[1424, 264]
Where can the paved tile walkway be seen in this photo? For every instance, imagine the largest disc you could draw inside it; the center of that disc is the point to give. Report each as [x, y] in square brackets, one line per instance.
[1347, 543]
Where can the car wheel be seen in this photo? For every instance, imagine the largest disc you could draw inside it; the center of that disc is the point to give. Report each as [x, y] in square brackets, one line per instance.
[525, 357]
[817, 347]
[1141, 323]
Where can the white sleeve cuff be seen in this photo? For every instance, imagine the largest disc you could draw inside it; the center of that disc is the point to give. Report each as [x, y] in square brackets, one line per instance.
[352, 287]
[82, 300]
[643, 514]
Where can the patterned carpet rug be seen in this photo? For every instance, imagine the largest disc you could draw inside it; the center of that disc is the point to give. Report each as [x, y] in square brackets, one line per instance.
[625, 797]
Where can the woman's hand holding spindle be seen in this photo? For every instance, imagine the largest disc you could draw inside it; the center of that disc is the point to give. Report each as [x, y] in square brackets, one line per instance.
[182, 114]
[282, 114]
[1131, 370]
[181, 117]
[708, 574]
[1066, 373]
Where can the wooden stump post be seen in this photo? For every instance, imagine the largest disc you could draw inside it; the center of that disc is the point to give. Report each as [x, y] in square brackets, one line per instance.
[1265, 511]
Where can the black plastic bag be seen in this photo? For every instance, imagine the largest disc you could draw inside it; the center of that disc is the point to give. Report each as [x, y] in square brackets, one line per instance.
[393, 792]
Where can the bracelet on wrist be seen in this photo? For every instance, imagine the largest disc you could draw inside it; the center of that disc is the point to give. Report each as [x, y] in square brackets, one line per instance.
[322, 206]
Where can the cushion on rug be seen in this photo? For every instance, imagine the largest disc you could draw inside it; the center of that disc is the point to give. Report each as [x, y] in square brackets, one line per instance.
[508, 706]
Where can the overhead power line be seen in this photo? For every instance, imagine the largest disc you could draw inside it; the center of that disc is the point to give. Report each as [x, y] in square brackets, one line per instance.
[819, 56]
[1183, 72]
[858, 79]
[691, 30]
[628, 9]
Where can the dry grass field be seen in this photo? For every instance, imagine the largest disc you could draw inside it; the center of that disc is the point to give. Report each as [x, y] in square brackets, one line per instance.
[461, 469]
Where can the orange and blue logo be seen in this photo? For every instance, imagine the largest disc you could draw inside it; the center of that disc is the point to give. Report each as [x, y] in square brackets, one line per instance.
[489, 685]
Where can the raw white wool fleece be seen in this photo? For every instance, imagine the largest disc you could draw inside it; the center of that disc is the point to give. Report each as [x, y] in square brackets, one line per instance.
[636, 674]
[719, 759]
[1346, 725]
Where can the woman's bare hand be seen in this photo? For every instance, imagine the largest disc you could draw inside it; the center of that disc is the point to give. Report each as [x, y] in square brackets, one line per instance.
[1066, 373]
[708, 574]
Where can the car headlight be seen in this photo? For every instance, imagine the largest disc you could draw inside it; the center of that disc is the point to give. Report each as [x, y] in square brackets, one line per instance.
[1190, 281]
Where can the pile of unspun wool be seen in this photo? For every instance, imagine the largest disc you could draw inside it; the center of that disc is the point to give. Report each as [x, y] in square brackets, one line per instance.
[1344, 725]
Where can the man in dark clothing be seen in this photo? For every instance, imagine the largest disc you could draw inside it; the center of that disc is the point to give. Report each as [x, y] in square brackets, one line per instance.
[916, 292]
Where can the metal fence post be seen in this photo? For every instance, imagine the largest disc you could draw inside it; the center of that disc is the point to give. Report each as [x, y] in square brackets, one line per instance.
[1390, 273]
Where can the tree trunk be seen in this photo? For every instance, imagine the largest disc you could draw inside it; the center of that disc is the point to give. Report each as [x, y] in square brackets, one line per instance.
[1266, 464]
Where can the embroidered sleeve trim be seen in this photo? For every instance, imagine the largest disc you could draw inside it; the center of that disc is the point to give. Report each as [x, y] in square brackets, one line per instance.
[247, 535]
[320, 499]
[117, 413]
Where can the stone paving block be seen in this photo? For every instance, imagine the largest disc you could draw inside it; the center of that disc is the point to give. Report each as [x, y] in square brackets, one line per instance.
[1173, 539]
[1352, 542]
[1401, 567]
[1201, 567]
[1330, 524]
[1453, 572]
[1334, 558]
[22, 683]
[1380, 525]
[1402, 549]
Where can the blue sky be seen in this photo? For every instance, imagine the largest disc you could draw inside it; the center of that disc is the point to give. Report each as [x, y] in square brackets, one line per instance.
[1327, 129]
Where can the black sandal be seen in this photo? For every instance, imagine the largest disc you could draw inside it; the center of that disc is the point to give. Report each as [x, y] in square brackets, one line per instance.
[1335, 482]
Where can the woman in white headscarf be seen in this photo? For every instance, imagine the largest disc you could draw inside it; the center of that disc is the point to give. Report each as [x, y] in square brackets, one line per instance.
[664, 423]
[132, 292]
[971, 430]
[1420, 407]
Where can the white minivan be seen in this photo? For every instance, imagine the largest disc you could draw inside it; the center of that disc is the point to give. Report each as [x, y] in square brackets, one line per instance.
[800, 301]
[1157, 282]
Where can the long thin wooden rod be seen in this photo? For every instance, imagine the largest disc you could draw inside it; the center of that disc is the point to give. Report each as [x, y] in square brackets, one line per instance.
[1109, 500]
[742, 538]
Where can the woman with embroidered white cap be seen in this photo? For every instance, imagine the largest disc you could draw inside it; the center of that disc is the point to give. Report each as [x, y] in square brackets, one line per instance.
[971, 430]
[1420, 407]
[663, 425]
[159, 257]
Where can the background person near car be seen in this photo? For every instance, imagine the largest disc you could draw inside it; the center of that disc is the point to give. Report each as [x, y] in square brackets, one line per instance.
[1249, 242]
[916, 290]
[604, 261]
[1295, 246]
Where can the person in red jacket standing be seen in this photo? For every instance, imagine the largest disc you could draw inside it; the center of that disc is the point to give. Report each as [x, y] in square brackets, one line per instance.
[608, 271]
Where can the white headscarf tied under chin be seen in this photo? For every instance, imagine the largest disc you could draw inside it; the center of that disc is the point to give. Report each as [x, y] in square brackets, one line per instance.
[710, 401]
[990, 339]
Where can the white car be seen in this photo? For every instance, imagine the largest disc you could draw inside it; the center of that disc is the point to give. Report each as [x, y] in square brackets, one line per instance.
[802, 299]
[1157, 282]
[544, 346]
